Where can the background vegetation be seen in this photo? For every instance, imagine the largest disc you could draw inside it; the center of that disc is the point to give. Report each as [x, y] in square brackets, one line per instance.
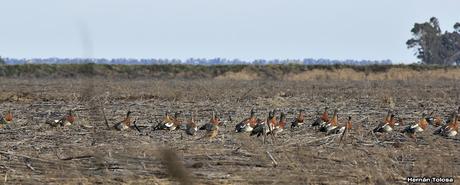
[239, 72]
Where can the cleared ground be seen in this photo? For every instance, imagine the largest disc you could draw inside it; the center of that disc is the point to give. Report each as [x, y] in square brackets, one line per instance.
[32, 152]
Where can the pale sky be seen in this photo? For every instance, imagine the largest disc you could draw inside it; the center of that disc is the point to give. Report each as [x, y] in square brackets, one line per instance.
[243, 29]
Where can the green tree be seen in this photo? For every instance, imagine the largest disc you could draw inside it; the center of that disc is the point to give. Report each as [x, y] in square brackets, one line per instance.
[2, 62]
[434, 47]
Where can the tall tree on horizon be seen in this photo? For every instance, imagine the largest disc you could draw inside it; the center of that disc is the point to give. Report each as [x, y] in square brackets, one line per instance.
[434, 47]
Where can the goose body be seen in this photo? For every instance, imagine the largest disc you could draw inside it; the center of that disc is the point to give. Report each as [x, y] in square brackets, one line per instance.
[322, 121]
[125, 124]
[336, 130]
[420, 126]
[452, 133]
[66, 120]
[169, 122]
[449, 130]
[280, 125]
[212, 132]
[213, 121]
[299, 120]
[331, 125]
[263, 127]
[386, 126]
[7, 119]
[248, 124]
[191, 128]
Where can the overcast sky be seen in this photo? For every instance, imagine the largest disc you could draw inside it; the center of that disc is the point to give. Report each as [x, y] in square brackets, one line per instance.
[244, 29]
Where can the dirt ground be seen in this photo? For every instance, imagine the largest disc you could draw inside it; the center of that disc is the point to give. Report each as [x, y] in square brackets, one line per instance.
[32, 152]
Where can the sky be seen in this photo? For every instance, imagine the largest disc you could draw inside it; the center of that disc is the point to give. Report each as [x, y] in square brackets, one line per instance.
[233, 29]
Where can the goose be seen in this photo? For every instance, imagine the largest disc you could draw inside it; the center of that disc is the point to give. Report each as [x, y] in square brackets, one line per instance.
[449, 130]
[169, 122]
[279, 127]
[261, 127]
[449, 118]
[386, 126]
[213, 121]
[177, 122]
[125, 124]
[212, 133]
[8, 119]
[212, 130]
[332, 124]
[248, 124]
[191, 127]
[322, 120]
[66, 120]
[299, 120]
[420, 126]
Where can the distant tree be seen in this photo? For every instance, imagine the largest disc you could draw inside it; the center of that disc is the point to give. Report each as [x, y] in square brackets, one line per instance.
[2, 62]
[457, 27]
[434, 47]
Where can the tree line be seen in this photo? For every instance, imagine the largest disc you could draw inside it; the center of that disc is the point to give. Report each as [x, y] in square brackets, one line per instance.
[432, 46]
[193, 61]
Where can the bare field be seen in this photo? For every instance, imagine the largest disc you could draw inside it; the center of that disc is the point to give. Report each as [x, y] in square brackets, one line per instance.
[32, 152]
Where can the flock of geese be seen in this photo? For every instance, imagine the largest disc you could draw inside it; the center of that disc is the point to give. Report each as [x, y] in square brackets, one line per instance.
[445, 126]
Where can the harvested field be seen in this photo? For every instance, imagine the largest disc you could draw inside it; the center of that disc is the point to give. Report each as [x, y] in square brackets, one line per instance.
[32, 152]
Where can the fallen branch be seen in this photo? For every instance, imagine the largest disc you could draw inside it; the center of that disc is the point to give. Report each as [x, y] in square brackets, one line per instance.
[77, 157]
[30, 166]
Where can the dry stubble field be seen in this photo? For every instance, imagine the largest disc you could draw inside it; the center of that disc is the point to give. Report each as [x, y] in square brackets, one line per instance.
[32, 152]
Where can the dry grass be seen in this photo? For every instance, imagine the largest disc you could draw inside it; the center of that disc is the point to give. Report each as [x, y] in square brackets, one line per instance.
[89, 153]
[391, 74]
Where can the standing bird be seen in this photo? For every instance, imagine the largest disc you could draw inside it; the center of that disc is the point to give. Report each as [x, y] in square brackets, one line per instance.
[191, 126]
[348, 127]
[341, 129]
[420, 126]
[299, 120]
[449, 130]
[248, 124]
